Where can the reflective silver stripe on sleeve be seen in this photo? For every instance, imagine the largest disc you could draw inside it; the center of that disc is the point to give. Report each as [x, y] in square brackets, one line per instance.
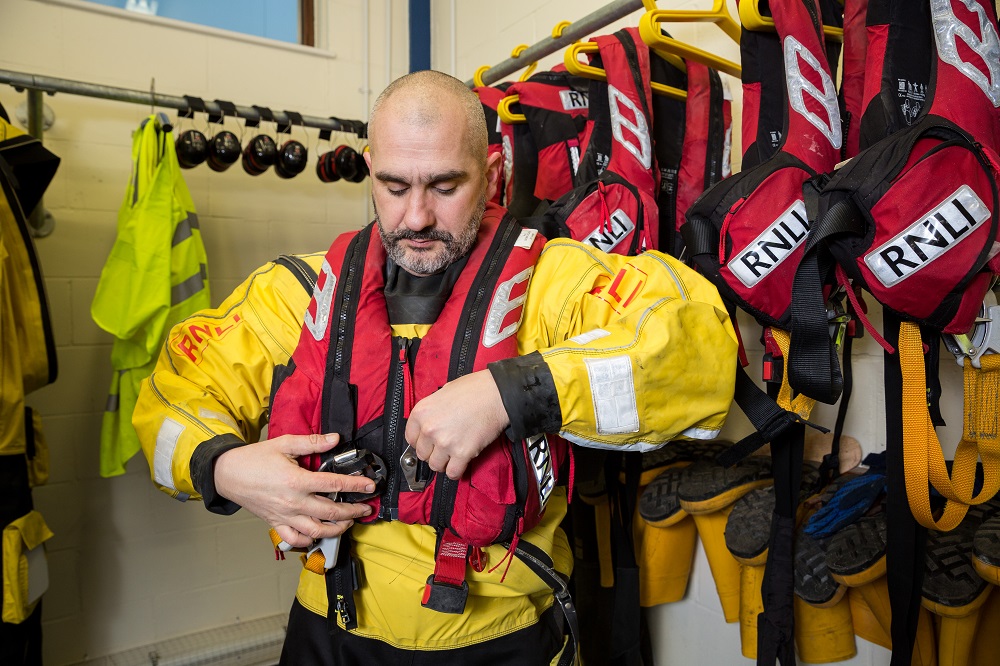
[593, 444]
[163, 455]
[218, 416]
[702, 433]
[185, 290]
[613, 392]
[112, 404]
[183, 230]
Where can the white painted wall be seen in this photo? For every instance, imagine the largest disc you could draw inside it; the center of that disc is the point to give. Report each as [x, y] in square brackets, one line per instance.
[692, 631]
[128, 565]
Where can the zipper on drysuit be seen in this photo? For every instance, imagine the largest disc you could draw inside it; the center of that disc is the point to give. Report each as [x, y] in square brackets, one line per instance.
[400, 401]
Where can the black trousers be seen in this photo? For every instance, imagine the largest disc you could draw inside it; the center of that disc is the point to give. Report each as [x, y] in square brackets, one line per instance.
[310, 642]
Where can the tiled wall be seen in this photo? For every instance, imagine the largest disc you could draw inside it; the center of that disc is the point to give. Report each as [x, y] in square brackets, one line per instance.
[128, 565]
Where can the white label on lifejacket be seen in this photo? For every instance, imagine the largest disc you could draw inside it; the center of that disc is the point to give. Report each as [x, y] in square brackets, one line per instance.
[574, 157]
[572, 99]
[948, 28]
[607, 239]
[775, 244]
[590, 336]
[613, 392]
[799, 86]
[541, 462]
[526, 238]
[928, 238]
[643, 150]
[508, 162]
[323, 298]
[502, 305]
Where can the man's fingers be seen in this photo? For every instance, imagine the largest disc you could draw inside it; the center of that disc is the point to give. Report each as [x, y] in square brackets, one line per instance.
[302, 445]
[455, 469]
[327, 509]
[292, 536]
[329, 482]
[315, 529]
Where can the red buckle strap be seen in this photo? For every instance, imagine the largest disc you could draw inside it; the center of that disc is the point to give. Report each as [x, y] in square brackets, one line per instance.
[447, 590]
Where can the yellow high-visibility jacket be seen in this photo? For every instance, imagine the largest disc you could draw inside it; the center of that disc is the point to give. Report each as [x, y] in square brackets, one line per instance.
[649, 313]
[155, 276]
[27, 363]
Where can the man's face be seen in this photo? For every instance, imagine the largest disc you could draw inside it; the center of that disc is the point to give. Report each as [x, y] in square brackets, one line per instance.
[428, 190]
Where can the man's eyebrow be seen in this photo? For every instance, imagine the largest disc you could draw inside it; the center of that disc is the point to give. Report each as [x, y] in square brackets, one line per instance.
[444, 176]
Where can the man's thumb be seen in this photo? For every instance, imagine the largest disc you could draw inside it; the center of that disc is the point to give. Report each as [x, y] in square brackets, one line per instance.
[301, 445]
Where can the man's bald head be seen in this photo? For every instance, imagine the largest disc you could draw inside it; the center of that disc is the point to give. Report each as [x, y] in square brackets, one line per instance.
[424, 98]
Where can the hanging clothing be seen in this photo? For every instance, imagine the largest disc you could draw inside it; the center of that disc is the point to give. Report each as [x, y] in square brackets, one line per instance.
[155, 276]
[27, 363]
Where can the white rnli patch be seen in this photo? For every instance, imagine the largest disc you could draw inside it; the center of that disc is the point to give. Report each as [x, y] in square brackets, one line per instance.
[540, 457]
[495, 332]
[607, 237]
[613, 392]
[775, 244]
[936, 232]
[572, 100]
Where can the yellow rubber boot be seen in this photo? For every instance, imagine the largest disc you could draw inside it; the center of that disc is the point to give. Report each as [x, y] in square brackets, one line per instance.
[876, 597]
[751, 605]
[824, 635]
[957, 630]
[665, 556]
[725, 568]
[866, 625]
[986, 646]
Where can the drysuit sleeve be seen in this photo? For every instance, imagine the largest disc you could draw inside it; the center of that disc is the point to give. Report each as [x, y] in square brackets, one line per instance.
[211, 387]
[619, 352]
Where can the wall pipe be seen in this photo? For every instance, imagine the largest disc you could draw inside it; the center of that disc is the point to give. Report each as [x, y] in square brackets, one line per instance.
[34, 82]
[596, 20]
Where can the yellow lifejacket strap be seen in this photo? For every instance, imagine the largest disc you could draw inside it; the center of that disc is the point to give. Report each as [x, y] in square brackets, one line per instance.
[924, 459]
[801, 404]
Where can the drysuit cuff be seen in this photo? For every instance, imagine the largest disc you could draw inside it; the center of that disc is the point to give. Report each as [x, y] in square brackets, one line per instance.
[529, 395]
[203, 472]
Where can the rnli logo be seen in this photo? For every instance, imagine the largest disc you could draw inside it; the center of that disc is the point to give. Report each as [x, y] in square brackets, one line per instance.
[195, 335]
[541, 464]
[509, 297]
[928, 238]
[573, 100]
[318, 315]
[608, 236]
[756, 261]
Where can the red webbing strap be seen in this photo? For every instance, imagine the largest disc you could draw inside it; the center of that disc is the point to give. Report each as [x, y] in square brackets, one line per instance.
[449, 563]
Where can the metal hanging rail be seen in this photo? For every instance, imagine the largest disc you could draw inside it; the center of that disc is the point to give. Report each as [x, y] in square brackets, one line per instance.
[53, 85]
[596, 20]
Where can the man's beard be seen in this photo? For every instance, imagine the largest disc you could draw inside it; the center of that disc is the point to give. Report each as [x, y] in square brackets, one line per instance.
[430, 261]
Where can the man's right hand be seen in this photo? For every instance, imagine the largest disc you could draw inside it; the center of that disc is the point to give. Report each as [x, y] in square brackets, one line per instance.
[265, 479]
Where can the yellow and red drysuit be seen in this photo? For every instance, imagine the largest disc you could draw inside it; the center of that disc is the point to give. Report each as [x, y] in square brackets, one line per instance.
[649, 313]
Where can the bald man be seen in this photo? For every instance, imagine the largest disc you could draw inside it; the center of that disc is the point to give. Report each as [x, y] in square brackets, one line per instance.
[605, 351]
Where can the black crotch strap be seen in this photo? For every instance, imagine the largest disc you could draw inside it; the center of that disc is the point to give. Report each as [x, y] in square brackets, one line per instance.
[540, 563]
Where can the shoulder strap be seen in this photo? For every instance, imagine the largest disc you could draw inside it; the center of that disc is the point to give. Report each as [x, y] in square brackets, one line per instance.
[302, 271]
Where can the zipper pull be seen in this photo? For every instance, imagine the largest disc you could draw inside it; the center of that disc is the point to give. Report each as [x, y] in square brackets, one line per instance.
[404, 367]
[345, 615]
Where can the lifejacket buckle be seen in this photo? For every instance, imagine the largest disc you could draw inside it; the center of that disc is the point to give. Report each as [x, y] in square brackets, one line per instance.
[983, 339]
[445, 597]
[356, 462]
[413, 470]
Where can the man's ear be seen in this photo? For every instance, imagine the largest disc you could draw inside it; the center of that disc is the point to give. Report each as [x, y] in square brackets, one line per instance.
[493, 165]
[368, 159]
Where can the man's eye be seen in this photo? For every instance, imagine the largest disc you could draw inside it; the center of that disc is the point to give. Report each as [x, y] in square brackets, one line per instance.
[445, 190]
[397, 193]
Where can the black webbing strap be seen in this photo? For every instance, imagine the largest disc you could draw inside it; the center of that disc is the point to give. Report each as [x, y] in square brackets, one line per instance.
[536, 560]
[776, 625]
[626, 616]
[194, 105]
[829, 469]
[812, 364]
[905, 538]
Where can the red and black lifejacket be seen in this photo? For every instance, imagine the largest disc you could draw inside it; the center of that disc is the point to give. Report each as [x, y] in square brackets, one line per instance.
[852, 81]
[351, 376]
[613, 207]
[490, 97]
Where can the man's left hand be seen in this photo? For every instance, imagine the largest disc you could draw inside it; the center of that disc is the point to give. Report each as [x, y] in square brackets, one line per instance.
[453, 425]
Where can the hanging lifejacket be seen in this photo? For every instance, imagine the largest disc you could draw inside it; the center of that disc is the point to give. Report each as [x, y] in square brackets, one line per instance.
[884, 220]
[614, 205]
[363, 387]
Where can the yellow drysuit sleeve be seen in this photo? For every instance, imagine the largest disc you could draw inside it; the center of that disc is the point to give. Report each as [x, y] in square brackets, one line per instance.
[212, 382]
[619, 352]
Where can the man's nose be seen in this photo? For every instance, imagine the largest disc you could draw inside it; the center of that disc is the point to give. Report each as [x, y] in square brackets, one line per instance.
[418, 212]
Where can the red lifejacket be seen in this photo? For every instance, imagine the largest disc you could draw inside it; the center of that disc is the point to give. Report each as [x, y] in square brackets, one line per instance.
[352, 377]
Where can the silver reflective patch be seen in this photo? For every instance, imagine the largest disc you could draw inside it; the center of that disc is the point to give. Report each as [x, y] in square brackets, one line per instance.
[799, 86]
[775, 244]
[643, 150]
[613, 391]
[540, 457]
[163, 455]
[590, 336]
[948, 29]
[218, 416]
[502, 305]
[607, 237]
[323, 297]
[939, 230]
